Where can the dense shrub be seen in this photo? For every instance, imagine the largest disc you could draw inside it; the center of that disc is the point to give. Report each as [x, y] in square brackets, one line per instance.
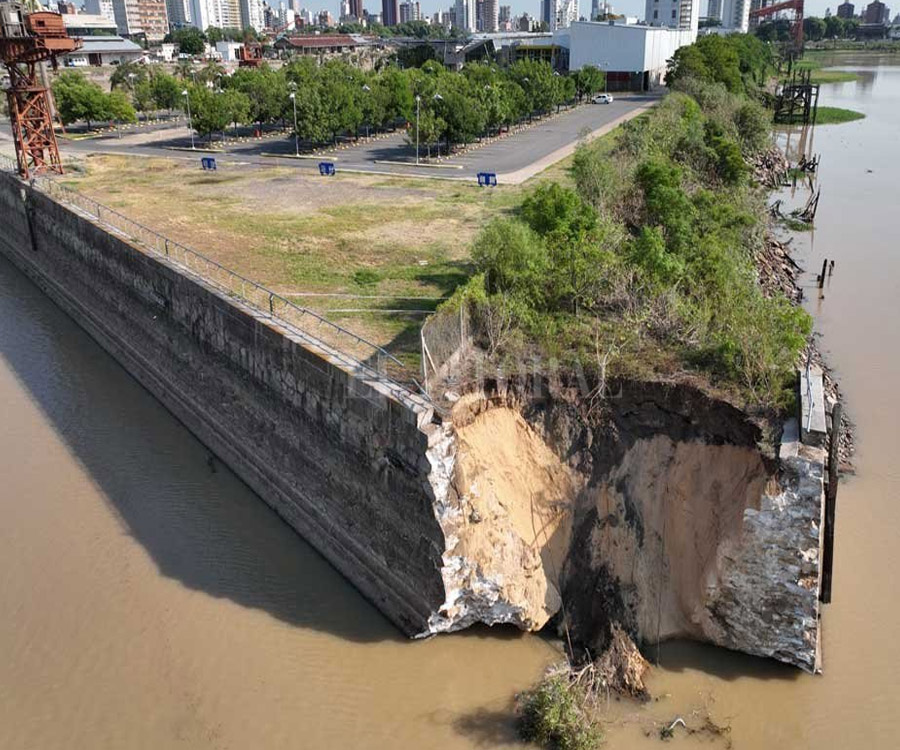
[652, 250]
[553, 716]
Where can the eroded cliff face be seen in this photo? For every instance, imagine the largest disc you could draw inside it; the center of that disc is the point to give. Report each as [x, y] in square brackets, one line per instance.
[659, 511]
[507, 520]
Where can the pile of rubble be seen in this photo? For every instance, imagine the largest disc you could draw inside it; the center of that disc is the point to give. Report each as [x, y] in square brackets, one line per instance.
[778, 272]
[770, 168]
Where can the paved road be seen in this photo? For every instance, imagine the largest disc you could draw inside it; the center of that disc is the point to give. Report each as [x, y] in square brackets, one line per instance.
[514, 158]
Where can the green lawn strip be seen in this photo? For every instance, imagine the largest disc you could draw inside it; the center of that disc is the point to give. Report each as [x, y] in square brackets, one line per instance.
[836, 115]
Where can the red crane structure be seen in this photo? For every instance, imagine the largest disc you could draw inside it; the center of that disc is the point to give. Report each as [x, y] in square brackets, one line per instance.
[796, 23]
[26, 41]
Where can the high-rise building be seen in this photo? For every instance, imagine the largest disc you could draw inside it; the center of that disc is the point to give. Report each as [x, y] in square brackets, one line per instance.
[225, 14]
[356, 9]
[714, 10]
[505, 14]
[735, 15]
[677, 14]
[390, 12]
[252, 14]
[491, 15]
[179, 12]
[846, 10]
[876, 12]
[466, 15]
[147, 18]
[558, 14]
[100, 8]
[410, 11]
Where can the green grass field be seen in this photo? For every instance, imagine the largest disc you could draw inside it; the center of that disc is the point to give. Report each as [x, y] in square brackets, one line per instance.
[836, 115]
[818, 75]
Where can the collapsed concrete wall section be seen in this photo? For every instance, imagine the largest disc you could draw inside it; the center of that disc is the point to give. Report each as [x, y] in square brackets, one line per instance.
[659, 512]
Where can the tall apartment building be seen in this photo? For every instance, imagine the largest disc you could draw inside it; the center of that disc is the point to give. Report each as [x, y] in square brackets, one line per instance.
[876, 12]
[735, 15]
[410, 11]
[357, 9]
[390, 12]
[100, 8]
[466, 16]
[179, 12]
[846, 10]
[252, 14]
[559, 14]
[225, 14]
[505, 14]
[490, 15]
[677, 14]
[147, 18]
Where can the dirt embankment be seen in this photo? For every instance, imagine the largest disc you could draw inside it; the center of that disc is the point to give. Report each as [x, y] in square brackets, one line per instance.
[635, 514]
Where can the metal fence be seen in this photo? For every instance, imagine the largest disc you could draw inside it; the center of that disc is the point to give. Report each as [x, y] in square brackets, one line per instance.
[353, 350]
[444, 339]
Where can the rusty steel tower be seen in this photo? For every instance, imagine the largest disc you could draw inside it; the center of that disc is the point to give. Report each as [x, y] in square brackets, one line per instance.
[26, 41]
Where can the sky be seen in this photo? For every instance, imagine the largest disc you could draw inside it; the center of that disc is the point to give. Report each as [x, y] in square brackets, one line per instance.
[532, 7]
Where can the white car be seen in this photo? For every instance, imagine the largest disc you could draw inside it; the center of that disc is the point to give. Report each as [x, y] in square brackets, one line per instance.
[602, 99]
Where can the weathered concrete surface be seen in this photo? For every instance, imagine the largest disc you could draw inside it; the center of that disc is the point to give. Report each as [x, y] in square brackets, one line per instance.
[767, 600]
[813, 427]
[339, 456]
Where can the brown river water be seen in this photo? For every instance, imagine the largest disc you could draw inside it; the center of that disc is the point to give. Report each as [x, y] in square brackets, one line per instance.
[149, 599]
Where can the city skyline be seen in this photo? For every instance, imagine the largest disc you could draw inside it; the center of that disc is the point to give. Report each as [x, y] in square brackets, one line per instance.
[532, 7]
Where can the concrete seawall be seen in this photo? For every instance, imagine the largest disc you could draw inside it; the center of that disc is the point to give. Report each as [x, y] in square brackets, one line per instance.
[336, 452]
[665, 498]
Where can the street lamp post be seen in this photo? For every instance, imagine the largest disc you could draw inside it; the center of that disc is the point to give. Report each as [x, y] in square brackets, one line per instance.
[187, 100]
[293, 96]
[418, 99]
[367, 89]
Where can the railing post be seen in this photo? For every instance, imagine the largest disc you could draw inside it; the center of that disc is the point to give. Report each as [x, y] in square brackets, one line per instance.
[271, 303]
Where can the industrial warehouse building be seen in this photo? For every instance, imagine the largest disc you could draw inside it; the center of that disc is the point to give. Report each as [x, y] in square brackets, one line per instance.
[102, 44]
[633, 55]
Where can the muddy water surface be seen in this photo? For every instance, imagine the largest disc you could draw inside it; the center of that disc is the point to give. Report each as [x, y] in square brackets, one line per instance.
[149, 599]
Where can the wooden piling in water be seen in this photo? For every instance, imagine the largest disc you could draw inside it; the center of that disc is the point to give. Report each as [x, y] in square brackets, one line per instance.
[821, 278]
[830, 504]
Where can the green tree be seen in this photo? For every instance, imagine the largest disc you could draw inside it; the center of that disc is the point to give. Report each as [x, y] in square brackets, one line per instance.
[589, 80]
[142, 96]
[78, 99]
[184, 69]
[266, 90]
[190, 40]
[165, 90]
[127, 75]
[118, 108]
[551, 208]
[237, 106]
[209, 111]
[814, 29]
[834, 27]
[514, 261]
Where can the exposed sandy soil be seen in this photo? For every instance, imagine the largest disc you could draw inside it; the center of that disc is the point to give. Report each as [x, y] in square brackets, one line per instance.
[689, 498]
[519, 497]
